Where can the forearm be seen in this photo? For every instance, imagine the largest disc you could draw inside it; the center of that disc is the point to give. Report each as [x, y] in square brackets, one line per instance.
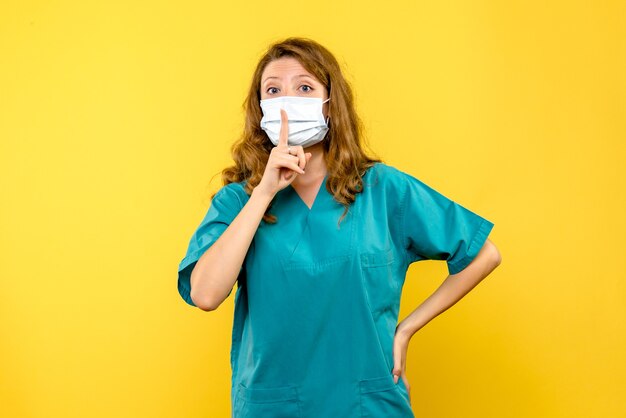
[453, 288]
[216, 271]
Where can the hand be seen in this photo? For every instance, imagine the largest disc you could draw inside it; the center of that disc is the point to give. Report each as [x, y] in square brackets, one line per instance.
[285, 162]
[400, 347]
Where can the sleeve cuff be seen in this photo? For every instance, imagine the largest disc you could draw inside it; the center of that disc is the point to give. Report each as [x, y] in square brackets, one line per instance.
[184, 276]
[475, 246]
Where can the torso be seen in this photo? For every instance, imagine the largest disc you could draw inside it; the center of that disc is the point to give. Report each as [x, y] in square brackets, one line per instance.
[316, 311]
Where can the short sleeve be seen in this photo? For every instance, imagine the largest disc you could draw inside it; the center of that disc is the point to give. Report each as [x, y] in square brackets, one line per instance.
[224, 207]
[438, 228]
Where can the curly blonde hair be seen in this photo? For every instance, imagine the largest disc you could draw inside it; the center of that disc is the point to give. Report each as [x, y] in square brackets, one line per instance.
[346, 162]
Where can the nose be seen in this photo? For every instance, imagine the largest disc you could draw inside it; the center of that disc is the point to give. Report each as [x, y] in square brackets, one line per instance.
[289, 91]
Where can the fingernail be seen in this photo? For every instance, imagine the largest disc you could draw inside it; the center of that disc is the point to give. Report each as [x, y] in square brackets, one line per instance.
[395, 379]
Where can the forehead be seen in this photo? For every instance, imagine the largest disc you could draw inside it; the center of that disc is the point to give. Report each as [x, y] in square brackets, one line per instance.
[284, 67]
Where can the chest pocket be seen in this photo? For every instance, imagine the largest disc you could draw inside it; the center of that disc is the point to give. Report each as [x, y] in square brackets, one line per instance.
[279, 402]
[379, 281]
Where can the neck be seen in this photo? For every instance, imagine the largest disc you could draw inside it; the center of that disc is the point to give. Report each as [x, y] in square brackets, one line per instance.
[315, 168]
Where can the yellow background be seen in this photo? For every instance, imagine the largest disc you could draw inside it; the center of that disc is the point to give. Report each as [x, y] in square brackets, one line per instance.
[115, 116]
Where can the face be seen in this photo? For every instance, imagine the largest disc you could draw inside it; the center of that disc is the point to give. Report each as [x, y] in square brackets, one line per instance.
[287, 77]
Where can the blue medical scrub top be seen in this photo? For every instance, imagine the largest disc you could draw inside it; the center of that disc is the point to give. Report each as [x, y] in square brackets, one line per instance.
[317, 303]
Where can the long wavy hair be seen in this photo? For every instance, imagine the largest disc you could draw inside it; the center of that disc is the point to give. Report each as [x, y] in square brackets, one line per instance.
[346, 162]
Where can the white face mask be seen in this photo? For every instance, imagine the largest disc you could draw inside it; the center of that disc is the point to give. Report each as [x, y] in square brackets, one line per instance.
[306, 120]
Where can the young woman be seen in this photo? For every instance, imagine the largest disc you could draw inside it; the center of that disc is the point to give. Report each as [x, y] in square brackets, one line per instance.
[318, 237]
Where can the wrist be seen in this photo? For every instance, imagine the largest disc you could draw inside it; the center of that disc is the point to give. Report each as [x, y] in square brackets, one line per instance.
[262, 194]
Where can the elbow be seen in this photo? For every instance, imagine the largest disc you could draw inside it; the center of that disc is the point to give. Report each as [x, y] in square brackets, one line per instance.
[495, 256]
[204, 302]
[206, 297]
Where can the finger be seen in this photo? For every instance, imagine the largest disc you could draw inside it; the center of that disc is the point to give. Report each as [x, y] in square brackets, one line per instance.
[300, 154]
[295, 167]
[291, 173]
[291, 164]
[397, 362]
[287, 163]
[289, 158]
[284, 129]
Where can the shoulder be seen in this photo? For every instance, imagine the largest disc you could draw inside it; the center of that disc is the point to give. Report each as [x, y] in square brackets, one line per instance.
[232, 194]
[388, 178]
[386, 181]
[237, 188]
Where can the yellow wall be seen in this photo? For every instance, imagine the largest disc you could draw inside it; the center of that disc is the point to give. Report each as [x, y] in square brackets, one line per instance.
[114, 118]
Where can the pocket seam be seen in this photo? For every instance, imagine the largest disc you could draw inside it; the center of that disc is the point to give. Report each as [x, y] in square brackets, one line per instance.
[376, 384]
[268, 395]
[371, 388]
[377, 259]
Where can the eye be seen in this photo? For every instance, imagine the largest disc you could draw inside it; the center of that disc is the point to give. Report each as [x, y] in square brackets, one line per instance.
[310, 88]
[268, 90]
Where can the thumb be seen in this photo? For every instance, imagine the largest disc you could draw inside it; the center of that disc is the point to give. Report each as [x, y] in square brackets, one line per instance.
[396, 371]
[397, 363]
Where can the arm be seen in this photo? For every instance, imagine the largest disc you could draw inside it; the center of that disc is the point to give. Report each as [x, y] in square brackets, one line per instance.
[451, 290]
[454, 287]
[216, 271]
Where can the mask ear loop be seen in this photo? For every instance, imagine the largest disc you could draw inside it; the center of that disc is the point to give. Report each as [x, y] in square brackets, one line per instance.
[328, 118]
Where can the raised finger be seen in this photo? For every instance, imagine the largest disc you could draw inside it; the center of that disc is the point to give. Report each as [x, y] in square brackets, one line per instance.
[284, 129]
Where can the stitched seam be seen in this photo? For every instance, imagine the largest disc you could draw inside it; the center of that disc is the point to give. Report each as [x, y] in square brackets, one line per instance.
[405, 252]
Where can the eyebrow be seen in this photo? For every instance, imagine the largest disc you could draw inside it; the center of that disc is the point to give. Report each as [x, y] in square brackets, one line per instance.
[297, 76]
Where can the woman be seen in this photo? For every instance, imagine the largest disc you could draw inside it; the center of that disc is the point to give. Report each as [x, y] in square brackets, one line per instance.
[319, 237]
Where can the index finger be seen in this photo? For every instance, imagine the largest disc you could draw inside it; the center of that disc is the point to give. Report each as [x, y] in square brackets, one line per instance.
[284, 129]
